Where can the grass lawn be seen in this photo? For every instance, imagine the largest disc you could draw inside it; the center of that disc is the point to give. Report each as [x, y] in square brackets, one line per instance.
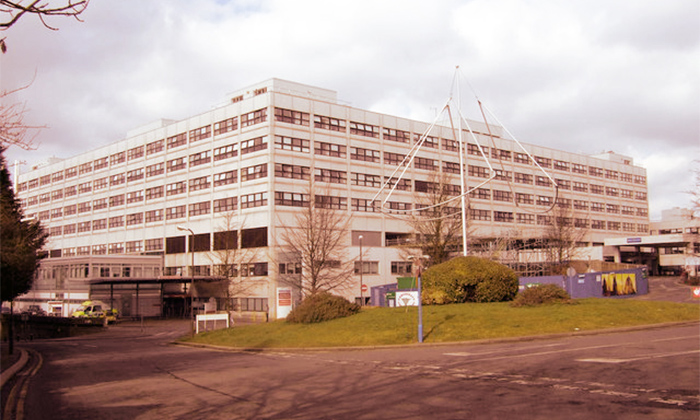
[445, 323]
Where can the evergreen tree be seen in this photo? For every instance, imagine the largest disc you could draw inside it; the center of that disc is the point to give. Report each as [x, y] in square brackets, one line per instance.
[20, 241]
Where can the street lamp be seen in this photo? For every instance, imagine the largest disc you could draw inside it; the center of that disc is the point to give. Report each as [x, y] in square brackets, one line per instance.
[191, 246]
[362, 295]
[420, 292]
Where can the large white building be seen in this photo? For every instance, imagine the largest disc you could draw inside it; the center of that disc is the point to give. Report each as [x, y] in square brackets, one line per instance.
[244, 168]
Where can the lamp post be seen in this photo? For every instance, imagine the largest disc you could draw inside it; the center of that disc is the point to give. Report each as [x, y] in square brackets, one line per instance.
[362, 295]
[419, 260]
[191, 250]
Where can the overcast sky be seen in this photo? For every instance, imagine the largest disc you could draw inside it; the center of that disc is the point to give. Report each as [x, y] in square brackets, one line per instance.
[581, 75]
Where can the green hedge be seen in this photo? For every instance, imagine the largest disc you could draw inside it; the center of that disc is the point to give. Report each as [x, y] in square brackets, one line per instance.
[468, 279]
[541, 294]
[320, 307]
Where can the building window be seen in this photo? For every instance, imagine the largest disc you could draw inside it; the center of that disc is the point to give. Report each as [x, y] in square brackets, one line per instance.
[524, 198]
[56, 213]
[84, 227]
[599, 207]
[366, 155]
[561, 165]
[394, 159]
[57, 176]
[134, 175]
[640, 195]
[401, 185]
[116, 221]
[526, 218]
[134, 196]
[254, 117]
[200, 158]
[331, 202]
[627, 210]
[580, 186]
[543, 161]
[200, 183]
[401, 267]
[503, 216]
[198, 209]
[155, 169]
[117, 179]
[225, 204]
[99, 224]
[291, 116]
[200, 133]
[502, 175]
[473, 149]
[521, 158]
[362, 204]
[100, 203]
[626, 177]
[426, 164]
[253, 145]
[154, 215]
[597, 189]
[396, 135]
[71, 191]
[176, 212]
[365, 180]
[330, 175]
[290, 268]
[177, 164]
[367, 267]
[479, 171]
[134, 246]
[226, 240]
[610, 174]
[612, 191]
[544, 220]
[70, 210]
[593, 171]
[481, 194]
[330, 149]
[155, 147]
[99, 249]
[429, 141]
[69, 229]
[579, 168]
[254, 269]
[362, 129]
[71, 172]
[563, 184]
[254, 200]
[580, 205]
[543, 200]
[523, 178]
[450, 167]
[100, 163]
[450, 145]
[225, 126]
[56, 195]
[225, 152]
[292, 144]
[542, 181]
[135, 153]
[225, 178]
[177, 141]
[134, 219]
[176, 188]
[613, 225]
[291, 199]
[399, 207]
[154, 244]
[329, 123]
[254, 172]
[117, 158]
[154, 192]
[84, 168]
[502, 195]
[292, 171]
[83, 207]
[116, 200]
[500, 154]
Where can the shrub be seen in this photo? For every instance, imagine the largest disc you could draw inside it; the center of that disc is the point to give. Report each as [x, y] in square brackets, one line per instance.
[468, 279]
[538, 295]
[320, 307]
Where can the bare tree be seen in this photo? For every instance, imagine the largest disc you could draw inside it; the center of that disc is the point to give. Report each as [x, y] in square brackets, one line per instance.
[437, 222]
[695, 193]
[13, 130]
[227, 257]
[561, 237]
[317, 240]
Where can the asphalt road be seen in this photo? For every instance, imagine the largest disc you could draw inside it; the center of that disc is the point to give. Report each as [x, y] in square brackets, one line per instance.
[133, 372]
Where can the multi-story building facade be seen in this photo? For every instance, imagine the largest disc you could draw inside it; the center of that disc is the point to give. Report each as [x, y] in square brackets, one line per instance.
[243, 169]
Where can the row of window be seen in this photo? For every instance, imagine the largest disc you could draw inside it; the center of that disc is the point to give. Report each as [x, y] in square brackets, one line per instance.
[322, 122]
[321, 175]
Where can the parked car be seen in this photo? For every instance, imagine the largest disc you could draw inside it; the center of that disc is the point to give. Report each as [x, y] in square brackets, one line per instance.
[34, 310]
[95, 309]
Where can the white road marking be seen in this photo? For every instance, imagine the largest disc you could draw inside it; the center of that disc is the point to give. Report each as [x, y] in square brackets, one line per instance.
[636, 359]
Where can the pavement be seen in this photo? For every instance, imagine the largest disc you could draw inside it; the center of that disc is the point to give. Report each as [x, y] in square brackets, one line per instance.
[663, 288]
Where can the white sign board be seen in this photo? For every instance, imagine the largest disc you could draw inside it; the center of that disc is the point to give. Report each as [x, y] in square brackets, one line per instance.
[407, 298]
[284, 302]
